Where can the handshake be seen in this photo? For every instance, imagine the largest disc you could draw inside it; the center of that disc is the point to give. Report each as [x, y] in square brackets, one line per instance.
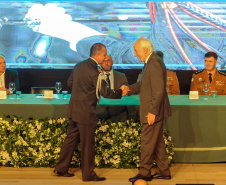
[125, 90]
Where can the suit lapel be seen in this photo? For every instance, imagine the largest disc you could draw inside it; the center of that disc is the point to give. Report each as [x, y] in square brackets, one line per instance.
[115, 78]
[7, 78]
[145, 69]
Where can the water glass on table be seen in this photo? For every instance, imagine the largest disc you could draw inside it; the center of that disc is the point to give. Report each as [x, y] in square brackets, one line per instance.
[58, 88]
[64, 94]
[18, 94]
[205, 89]
[12, 88]
[214, 94]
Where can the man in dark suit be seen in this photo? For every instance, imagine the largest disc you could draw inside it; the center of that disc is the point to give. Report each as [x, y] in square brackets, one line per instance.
[114, 78]
[83, 80]
[154, 107]
[7, 76]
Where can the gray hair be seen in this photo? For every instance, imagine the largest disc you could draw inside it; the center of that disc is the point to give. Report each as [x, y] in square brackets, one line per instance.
[145, 43]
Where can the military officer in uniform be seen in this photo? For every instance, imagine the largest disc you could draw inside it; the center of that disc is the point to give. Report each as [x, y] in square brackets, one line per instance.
[215, 78]
[173, 87]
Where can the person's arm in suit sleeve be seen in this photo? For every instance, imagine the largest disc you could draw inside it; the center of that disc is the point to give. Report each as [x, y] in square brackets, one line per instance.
[176, 86]
[70, 80]
[134, 88]
[108, 93]
[104, 90]
[157, 80]
[124, 81]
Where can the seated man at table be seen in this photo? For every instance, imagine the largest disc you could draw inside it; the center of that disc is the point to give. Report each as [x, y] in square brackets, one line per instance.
[7, 76]
[210, 75]
[114, 78]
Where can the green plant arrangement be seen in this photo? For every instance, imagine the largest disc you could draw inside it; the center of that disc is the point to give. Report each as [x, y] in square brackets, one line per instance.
[37, 143]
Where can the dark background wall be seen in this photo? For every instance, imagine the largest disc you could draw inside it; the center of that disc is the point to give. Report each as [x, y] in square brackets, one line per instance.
[48, 77]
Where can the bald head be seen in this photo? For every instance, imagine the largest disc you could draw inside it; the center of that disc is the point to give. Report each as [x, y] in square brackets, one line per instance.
[98, 51]
[142, 48]
[140, 182]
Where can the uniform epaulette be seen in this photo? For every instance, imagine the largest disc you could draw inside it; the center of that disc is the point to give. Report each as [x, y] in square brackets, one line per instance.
[197, 72]
[222, 73]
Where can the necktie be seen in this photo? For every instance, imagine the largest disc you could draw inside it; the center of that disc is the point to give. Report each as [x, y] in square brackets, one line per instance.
[210, 77]
[108, 80]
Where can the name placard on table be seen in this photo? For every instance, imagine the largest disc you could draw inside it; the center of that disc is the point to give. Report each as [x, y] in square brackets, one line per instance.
[48, 94]
[193, 95]
[3, 95]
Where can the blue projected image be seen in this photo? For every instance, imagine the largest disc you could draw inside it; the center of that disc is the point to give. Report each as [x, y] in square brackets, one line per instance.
[59, 34]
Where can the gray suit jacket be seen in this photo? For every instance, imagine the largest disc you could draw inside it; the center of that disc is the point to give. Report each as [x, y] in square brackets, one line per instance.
[152, 87]
[83, 81]
[119, 79]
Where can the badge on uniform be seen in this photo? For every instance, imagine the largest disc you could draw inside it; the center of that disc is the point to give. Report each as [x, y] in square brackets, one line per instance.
[169, 78]
[219, 83]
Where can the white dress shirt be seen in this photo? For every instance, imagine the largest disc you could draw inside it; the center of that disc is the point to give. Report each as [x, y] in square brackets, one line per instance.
[2, 80]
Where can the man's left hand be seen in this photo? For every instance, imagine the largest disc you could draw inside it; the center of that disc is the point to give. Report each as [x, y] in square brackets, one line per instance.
[151, 118]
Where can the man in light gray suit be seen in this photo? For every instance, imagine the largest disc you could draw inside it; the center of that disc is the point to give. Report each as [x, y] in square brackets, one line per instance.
[154, 107]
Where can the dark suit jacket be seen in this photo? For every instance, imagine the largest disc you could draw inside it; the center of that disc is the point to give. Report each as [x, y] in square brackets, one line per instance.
[153, 95]
[119, 79]
[83, 81]
[11, 76]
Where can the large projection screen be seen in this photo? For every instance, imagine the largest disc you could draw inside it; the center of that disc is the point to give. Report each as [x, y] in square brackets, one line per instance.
[59, 34]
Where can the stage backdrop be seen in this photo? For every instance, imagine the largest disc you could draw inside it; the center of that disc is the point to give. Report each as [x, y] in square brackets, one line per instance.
[58, 34]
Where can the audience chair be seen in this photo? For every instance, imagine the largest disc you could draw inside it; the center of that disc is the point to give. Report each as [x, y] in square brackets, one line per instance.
[40, 90]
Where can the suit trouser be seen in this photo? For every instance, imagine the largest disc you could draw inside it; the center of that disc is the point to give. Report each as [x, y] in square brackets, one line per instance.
[86, 135]
[153, 147]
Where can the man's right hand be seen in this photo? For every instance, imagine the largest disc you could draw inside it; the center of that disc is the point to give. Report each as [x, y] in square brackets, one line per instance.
[125, 90]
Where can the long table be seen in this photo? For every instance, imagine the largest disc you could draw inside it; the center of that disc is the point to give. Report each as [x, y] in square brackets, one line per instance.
[197, 127]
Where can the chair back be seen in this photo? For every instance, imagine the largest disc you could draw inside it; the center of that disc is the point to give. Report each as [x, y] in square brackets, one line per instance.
[40, 90]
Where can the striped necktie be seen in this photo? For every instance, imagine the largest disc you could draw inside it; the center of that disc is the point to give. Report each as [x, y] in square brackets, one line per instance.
[108, 80]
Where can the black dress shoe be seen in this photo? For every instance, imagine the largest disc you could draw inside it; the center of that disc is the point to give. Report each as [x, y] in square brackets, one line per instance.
[139, 176]
[158, 176]
[66, 174]
[96, 178]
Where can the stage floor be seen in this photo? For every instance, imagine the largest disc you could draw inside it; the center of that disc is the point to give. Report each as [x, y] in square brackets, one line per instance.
[181, 174]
